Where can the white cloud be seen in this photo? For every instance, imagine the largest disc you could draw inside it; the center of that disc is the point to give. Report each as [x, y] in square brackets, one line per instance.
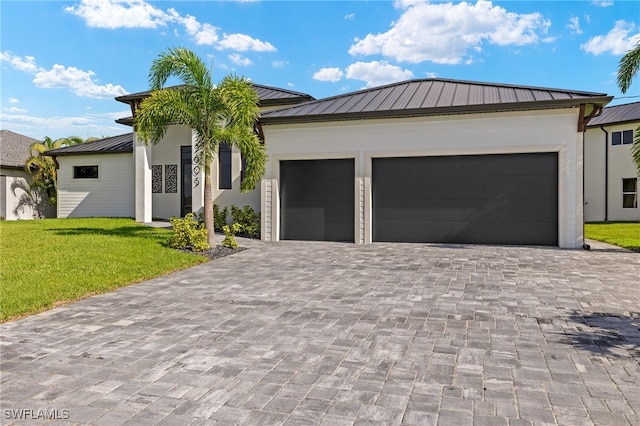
[431, 74]
[113, 14]
[21, 63]
[15, 109]
[205, 33]
[240, 60]
[79, 81]
[279, 64]
[62, 126]
[574, 25]
[444, 32]
[328, 74]
[243, 43]
[120, 14]
[622, 38]
[14, 100]
[603, 3]
[377, 73]
[60, 77]
[350, 16]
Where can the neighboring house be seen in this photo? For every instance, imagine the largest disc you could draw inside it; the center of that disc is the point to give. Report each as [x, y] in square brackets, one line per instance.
[96, 178]
[430, 160]
[611, 177]
[109, 178]
[17, 201]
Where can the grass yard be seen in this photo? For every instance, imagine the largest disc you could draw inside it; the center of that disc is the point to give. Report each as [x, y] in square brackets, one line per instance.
[47, 262]
[623, 234]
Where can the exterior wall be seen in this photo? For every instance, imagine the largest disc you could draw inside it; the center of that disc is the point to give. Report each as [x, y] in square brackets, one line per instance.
[595, 146]
[233, 196]
[167, 152]
[516, 132]
[14, 184]
[620, 167]
[110, 195]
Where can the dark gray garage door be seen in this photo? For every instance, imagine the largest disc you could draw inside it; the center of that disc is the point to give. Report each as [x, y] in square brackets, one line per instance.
[480, 199]
[317, 200]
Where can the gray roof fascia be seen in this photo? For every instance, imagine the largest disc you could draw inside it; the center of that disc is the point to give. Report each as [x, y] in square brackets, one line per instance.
[284, 100]
[436, 111]
[120, 144]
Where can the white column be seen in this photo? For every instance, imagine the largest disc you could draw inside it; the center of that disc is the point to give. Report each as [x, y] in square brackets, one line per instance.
[579, 201]
[197, 177]
[142, 161]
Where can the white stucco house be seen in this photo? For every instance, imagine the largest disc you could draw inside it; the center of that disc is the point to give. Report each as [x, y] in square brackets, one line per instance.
[430, 160]
[611, 177]
[121, 177]
[17, 202]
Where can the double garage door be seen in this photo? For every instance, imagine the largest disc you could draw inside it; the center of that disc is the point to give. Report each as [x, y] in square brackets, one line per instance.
[479, 199]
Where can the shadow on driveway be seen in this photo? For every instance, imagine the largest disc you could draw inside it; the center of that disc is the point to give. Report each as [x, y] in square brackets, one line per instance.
[606, 333]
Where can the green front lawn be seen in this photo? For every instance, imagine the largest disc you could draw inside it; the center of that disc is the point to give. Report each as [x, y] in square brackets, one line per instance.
[44, 263]
[623, 234]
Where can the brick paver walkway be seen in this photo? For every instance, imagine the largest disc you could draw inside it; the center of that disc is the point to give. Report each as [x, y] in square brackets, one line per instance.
[339, 334]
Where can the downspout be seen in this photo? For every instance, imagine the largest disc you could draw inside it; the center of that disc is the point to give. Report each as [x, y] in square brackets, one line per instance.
[606, 173]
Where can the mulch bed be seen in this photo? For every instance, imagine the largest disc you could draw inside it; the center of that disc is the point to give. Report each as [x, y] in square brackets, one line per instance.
[216, 252]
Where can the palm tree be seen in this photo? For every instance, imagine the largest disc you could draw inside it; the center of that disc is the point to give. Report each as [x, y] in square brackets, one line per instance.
[627, 70]
[226, 112]
[43, 168]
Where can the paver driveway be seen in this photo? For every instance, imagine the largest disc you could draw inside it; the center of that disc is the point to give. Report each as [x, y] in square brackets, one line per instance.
[329, 333]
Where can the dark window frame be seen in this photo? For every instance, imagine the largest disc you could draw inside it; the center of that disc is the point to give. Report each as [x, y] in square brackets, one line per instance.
[623, 137]
[86, 172]
[224, 166]
[630, 194]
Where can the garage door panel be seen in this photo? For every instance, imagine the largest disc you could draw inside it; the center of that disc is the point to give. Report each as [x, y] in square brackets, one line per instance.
[471, 232]
[466, 210]
[317, 200]
[501, 199]
[481, 187]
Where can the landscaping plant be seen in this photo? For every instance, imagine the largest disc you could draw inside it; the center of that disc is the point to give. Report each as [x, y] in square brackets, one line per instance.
[188, 233]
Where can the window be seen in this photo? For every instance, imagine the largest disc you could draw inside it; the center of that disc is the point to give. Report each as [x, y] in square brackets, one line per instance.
[243, 170]
[629, 193]
[622, 138]
[224, 166]
[85, 172]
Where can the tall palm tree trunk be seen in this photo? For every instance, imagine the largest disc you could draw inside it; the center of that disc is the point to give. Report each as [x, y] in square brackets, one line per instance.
[208, 210]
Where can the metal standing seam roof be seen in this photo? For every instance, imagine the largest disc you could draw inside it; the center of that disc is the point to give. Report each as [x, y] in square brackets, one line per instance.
[110, 145]
[268, 95]
[14, 149]
[617, 114]
[431, 97]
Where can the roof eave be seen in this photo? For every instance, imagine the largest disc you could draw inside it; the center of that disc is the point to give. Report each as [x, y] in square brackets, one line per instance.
[106, 151]
[613, 123]
[426, 112]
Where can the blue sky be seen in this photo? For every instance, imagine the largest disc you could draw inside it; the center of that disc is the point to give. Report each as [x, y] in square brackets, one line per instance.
[63, 62]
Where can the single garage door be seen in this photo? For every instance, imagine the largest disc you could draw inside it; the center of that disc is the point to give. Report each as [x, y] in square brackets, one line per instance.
[478, 199]
[317, 200]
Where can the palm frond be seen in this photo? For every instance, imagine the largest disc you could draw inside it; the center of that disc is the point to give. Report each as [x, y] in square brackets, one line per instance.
[163, 108]
[183, 64]
[635, 150]
[628, 68]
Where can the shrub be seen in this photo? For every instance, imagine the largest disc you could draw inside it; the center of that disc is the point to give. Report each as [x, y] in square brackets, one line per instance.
[188, 233]
[229, 235]
[248, 220]
[219, 217]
